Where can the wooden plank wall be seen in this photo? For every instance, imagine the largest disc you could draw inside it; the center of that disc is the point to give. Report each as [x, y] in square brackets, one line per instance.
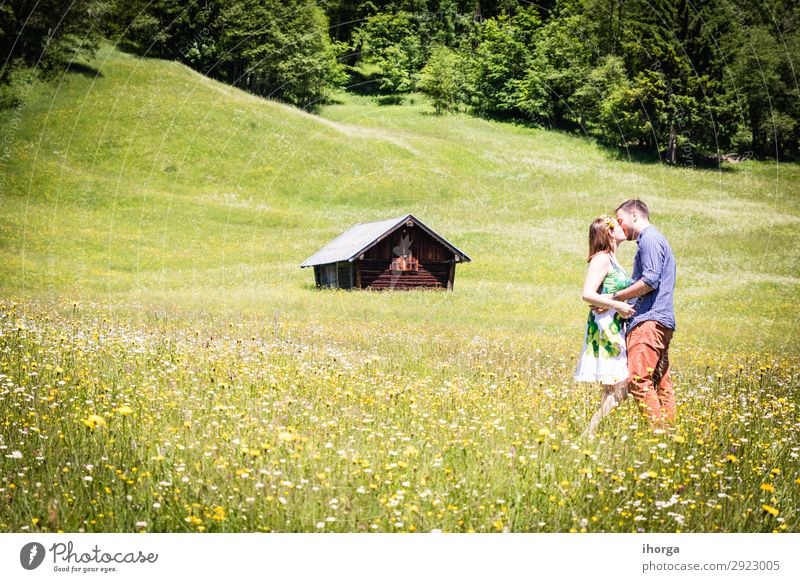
[435, 262]
[377, 275]
[344, 272]
[436, 265]
[423, 246]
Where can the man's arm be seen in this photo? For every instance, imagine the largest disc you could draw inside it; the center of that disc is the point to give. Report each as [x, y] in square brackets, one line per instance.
[651, 254]
[636, 290]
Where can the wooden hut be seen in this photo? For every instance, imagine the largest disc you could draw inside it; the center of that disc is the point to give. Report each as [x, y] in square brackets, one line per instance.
[399, 253]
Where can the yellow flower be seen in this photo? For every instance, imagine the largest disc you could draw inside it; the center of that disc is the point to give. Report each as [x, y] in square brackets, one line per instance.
[767, 487]
[771, 510]
[611, 224]
[679, 439]
[124, 410]
[93, 421]
[732, 458]
[219, 513]
[285, 436]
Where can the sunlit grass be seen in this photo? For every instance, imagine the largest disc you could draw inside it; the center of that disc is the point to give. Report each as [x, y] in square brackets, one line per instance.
[209, 423]
[166, 366]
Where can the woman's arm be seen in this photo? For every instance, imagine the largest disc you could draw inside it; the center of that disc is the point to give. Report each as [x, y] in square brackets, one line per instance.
[599, 267]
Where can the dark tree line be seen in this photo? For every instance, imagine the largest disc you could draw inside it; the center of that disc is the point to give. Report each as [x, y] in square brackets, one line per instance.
[43, 36]
[682, 78]
[678, 77]
[276, 48]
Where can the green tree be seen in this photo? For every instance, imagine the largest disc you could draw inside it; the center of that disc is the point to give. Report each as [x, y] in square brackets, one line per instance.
[758, 79]
[274, 48]
[47, 34]
[598, 98]
[559, 66]
[498, 62]
[279, 49]
[443, 79]
[389, 42]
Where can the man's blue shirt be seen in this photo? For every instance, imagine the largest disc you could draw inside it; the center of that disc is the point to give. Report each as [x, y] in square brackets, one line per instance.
[654, 264]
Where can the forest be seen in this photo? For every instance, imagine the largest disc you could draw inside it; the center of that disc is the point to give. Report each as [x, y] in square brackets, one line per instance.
[675, 80]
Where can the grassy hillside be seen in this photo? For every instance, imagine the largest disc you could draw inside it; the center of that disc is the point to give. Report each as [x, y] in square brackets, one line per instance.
[150, 184]
[166, 366]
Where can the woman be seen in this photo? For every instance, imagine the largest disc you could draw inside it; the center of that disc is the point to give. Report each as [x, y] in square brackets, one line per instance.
[604, 358]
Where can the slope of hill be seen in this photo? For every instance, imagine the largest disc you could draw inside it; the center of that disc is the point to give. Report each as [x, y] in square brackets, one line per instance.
[149, 184]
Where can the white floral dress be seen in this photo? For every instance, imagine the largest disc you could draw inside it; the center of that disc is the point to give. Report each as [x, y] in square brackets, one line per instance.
[604, 358]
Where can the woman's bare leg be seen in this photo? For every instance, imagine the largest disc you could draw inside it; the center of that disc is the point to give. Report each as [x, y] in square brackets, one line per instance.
[613, 395]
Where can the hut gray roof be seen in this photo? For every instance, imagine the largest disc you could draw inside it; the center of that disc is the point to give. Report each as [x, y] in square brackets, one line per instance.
[351, 243]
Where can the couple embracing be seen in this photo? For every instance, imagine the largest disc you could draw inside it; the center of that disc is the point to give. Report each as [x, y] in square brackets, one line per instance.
[630, 325]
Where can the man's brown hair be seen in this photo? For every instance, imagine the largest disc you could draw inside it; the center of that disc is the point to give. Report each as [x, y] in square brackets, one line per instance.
[634, 204]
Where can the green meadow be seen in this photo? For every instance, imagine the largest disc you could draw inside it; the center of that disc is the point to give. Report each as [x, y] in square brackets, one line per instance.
[165, 365]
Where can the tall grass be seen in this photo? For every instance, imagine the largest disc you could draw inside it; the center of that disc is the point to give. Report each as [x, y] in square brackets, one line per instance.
[166, 366]
[208, 423]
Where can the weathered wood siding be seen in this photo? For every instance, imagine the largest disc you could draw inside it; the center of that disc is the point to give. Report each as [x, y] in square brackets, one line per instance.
[436, 265]
[423, 246]
[377, 275]
[434, 258]
[345, 274]
[334, 275]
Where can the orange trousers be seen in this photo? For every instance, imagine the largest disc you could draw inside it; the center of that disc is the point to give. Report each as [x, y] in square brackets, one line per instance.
[648, 371]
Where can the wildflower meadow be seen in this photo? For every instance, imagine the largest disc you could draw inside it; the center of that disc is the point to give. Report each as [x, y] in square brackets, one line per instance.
[166, 366]
[212, 424]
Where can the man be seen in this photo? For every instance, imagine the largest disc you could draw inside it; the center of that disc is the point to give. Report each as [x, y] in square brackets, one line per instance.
[651, 328]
